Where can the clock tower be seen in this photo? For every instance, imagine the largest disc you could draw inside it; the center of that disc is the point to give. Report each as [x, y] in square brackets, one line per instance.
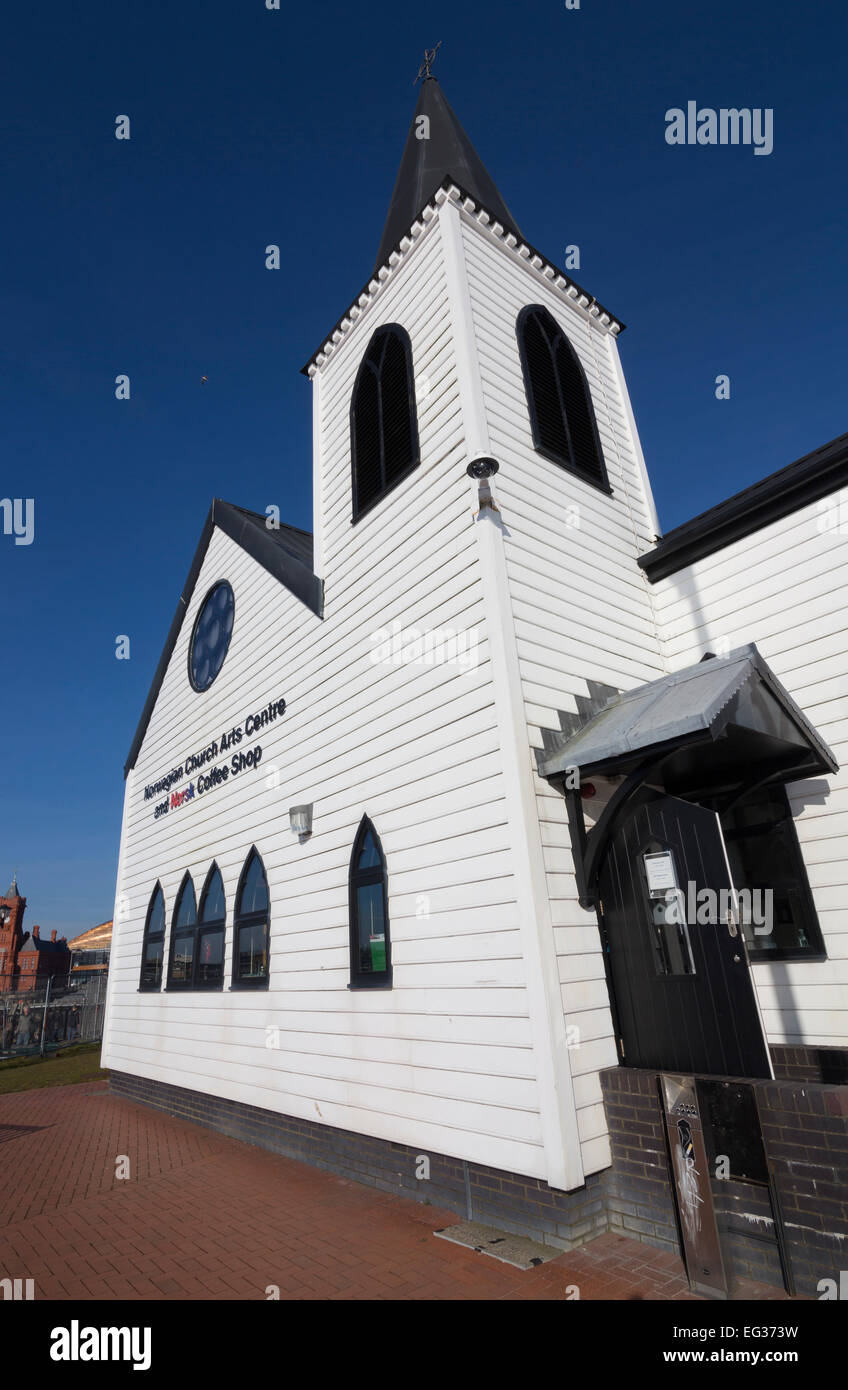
[11, 932]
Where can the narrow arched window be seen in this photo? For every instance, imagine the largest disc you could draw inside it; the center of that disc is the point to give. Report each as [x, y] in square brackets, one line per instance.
[251, 932]
[153, 942]
[211, 931]
[370, 941]
[183, 937]
[558, 397]
[383, 422]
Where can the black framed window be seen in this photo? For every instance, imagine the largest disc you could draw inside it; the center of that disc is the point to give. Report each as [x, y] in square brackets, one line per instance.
[252, 922]
[671, 944]
[370, 939]
[764, 853]
[383, 420]
[153, 942]
[211, 933]
[183, 937]
[210, 638]
[558, 398]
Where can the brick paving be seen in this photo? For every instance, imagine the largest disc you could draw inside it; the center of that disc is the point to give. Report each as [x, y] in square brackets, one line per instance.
[206, 1217]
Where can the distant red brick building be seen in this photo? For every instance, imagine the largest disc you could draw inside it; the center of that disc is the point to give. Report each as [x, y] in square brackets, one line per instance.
[26, 960]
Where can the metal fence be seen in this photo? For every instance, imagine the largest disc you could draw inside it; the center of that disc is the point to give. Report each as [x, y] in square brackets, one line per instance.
[43, 1020]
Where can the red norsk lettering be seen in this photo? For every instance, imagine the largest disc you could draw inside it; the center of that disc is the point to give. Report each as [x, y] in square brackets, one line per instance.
[242, 760]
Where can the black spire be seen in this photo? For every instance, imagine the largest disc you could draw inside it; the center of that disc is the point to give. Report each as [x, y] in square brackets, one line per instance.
[13, 891]
[426, 163]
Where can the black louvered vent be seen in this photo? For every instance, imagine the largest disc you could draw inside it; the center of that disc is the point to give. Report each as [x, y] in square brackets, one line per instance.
[369, 479]
[558, 396]
[550, 418]
[384, 430]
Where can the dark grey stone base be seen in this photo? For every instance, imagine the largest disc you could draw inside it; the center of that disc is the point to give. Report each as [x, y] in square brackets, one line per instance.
[521, 1205]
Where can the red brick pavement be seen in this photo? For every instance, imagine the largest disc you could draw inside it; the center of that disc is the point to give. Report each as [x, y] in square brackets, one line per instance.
[207, 1217]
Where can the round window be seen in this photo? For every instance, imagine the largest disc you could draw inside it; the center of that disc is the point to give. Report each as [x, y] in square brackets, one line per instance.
[211, 637]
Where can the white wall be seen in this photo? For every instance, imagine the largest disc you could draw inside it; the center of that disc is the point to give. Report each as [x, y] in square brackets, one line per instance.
[445, 1060]
[786, 588]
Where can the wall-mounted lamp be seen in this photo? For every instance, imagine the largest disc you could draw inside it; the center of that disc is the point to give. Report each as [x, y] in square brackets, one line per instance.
[300, 818]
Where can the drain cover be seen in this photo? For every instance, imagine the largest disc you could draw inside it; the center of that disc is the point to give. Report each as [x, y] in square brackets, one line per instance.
[511, 1249]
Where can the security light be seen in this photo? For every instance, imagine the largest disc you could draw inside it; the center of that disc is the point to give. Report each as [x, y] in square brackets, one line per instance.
[301, 820]
[482, 467]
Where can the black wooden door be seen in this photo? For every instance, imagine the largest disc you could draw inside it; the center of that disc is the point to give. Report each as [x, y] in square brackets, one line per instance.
[683, 989]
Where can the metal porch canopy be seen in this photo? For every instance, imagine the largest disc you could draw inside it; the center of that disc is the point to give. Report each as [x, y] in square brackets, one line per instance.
[707, 726]
[716, 729]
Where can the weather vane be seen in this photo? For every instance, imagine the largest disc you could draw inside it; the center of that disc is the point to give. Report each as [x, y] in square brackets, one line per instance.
[429, 57]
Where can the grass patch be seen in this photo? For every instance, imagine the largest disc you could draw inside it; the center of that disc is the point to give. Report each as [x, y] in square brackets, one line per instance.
[66, 1068]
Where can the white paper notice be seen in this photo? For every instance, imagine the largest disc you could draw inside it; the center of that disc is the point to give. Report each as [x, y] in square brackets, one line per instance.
[660, 870]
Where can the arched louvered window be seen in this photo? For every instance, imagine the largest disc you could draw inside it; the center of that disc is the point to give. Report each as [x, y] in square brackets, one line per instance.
[558, 397]
[251, 931]
[183, 937]
[383, 422]
[211, 931]
[370, 941]
[153, 942]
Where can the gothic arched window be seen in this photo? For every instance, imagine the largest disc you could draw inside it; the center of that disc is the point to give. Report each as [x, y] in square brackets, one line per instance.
[383, 422]
[211, 931]
[558, 397]
[370, 941]
[183, 937]
[251, 930]
[153, 942]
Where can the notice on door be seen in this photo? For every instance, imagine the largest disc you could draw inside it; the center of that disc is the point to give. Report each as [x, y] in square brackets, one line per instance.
[660, 871]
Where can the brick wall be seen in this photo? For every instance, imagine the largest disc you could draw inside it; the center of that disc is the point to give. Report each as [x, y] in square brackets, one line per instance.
[805, 1135]
[805, 1132]
[525, 1206]
[801, 1063]
[639, 1193]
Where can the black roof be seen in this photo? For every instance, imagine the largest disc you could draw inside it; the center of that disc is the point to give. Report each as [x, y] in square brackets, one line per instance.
[284, 551]
[808, 479]
[447, 159]
[39, 943]
[426, 164]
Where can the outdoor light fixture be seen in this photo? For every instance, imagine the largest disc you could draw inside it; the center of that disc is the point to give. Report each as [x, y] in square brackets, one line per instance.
[482, 467]
[301, 820]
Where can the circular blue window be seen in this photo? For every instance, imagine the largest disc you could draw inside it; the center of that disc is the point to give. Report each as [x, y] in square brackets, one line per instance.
[211, 637]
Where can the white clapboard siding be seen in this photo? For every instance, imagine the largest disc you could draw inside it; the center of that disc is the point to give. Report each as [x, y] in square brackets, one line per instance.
[581, 606]
[786, 588]
[446, 1058]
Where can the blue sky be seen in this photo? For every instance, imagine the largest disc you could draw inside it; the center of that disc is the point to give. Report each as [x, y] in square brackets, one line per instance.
[251, 127]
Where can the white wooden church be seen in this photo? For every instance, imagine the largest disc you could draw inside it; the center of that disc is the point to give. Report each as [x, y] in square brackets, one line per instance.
[423, 807]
